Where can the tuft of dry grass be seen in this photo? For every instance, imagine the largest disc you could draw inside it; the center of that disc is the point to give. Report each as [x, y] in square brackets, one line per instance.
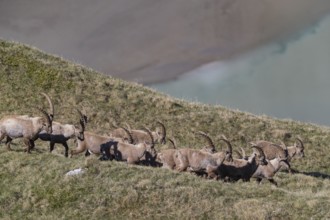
[34, 186]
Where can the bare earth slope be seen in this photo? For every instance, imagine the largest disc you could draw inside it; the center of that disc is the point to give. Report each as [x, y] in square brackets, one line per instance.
[34, 186]
[150, 41]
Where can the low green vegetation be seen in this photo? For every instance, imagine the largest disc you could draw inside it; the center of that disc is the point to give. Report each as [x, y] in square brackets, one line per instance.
[34, 186]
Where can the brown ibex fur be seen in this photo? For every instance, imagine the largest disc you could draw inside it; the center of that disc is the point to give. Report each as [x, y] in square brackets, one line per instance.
[23, 126]
[134, 154]
[272, 151]
[200, 161]
[166, 157]
[90, 141]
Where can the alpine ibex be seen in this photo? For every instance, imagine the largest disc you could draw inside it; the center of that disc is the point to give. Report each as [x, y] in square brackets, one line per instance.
[61, 132]
[202, 161]
[90, 141]
[141, 136]
[168, 156]
[134, 154]
[267, 169]
[26, 127]
[273, 151]
[239, 168]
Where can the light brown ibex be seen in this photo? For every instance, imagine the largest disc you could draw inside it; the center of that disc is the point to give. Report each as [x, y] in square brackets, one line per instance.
[202, 161]
[166, 156]
[26, 127]
[273, 150]
[91, 142]
[136, 154]
[267, 169]
[61, 132]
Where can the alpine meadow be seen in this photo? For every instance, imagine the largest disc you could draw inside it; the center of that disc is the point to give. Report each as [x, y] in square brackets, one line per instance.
[35, 185]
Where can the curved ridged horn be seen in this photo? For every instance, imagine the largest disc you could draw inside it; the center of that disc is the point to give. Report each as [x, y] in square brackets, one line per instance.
[208, 139]
[128, 126]
[163, 140]
[48, 119]
[130, 136]
[301, 142]
[261, 152]
[51, 105]
[82, 116]
[172, 142]
[82, 120]
[229, 147]
[151, 137]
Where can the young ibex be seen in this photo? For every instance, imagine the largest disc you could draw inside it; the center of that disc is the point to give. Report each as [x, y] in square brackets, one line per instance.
[142, 136]
[90, 141]
[23, 126]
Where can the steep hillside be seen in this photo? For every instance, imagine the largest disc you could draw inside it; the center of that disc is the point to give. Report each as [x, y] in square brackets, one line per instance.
[34, 186]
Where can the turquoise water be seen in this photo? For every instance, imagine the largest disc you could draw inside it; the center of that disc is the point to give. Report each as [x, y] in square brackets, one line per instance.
[288, 79]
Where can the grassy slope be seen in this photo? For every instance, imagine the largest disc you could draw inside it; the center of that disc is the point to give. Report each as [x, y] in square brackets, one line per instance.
[33, 186]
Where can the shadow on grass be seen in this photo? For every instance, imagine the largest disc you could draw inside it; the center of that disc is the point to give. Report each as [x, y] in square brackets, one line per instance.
[316, 174]
[311, 173]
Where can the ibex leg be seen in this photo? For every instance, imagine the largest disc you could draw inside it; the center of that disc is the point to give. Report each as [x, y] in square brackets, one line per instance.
[8, 141]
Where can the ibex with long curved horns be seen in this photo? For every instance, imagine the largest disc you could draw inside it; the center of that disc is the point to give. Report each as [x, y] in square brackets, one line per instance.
[26, 127]
[92, 142]
[206, 160]
[273, 150]
[134, 154]
[61, 132]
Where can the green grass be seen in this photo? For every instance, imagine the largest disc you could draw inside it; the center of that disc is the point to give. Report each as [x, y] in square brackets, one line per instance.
[34, 186]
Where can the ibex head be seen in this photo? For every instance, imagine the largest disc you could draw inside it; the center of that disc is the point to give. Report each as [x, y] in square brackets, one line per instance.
[261, 157]
[299, 148]
[161, 133]
[47, 122]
